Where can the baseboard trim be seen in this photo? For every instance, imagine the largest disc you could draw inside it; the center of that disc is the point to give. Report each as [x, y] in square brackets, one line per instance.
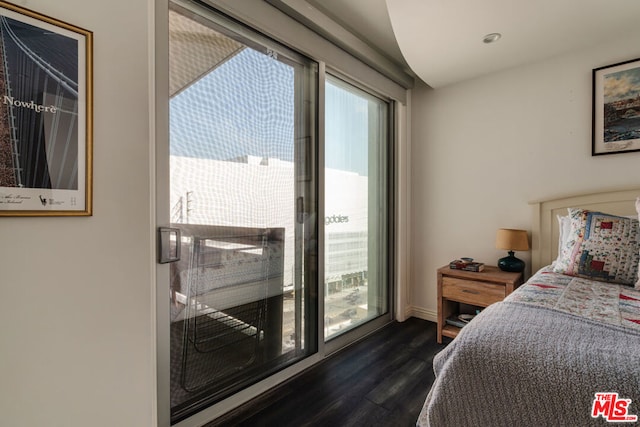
[423, 313]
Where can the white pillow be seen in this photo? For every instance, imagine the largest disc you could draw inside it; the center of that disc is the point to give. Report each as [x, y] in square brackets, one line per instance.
[564, 227]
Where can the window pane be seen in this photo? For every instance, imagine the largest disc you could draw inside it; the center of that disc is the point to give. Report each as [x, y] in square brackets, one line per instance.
[241, 193]
[356, 175]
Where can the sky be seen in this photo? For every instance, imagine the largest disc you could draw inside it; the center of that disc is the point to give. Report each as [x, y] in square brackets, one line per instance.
[621, 85]
[246, 107]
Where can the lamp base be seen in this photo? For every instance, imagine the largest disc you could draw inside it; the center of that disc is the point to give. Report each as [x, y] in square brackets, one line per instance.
[511, 263]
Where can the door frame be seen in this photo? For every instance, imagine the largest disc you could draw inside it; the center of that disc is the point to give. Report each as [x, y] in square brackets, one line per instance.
[266, 20]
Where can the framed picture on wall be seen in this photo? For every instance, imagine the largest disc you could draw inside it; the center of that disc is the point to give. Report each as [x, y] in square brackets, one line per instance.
[616, 108]
[45, 115]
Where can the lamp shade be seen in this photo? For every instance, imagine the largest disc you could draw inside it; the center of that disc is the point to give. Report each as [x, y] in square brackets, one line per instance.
[512, 240]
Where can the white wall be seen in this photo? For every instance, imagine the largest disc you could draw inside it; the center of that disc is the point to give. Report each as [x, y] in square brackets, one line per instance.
[484, 148]
[77, 319]
[76, 324]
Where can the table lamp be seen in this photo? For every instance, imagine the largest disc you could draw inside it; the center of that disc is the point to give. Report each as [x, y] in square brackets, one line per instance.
[511, 240]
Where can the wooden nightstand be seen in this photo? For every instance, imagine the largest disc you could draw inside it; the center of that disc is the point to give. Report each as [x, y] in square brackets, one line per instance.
[476, 289]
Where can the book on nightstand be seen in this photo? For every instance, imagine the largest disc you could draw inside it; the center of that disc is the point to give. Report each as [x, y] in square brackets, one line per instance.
[454, 321]
[467, 266]
[459, 320]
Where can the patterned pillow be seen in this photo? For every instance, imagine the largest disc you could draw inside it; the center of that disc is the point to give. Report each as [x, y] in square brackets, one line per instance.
[601, 247]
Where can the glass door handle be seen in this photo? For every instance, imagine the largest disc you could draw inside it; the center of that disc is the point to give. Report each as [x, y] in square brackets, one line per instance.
[168, 245]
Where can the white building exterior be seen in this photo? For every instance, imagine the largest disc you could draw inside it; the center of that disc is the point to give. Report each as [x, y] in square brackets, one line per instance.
[250, 191]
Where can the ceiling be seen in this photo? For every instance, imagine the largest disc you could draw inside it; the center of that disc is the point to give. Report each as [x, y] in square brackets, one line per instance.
[441, 40]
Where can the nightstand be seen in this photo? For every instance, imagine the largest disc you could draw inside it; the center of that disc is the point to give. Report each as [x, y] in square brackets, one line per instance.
[479, 289]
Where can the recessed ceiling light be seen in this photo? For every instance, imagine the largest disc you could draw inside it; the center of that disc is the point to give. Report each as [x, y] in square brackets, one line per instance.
[491, 38]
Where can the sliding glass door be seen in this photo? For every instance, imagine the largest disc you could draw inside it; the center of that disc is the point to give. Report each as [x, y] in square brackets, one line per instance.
[256, 290]
[243, 195]
[357, 206]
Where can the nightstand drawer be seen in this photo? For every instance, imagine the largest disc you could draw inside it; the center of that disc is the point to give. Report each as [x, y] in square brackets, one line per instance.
[472, 292]
[479, 289]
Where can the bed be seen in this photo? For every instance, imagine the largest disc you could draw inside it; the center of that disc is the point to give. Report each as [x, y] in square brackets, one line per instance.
[564, 348]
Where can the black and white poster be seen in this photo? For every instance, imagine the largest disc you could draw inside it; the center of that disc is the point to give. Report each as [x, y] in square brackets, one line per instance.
[45, 115]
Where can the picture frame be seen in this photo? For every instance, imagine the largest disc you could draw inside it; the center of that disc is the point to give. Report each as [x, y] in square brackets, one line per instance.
[616, 108]
[46, 123]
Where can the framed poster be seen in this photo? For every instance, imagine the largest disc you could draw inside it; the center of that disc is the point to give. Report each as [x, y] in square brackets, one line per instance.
[616, 108]
[45, 115]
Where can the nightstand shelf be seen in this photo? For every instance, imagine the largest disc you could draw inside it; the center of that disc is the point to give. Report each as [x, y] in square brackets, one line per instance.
[449, 331]
[475, 289]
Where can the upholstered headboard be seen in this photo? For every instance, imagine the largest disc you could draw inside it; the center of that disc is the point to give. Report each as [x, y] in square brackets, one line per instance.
[545, 229]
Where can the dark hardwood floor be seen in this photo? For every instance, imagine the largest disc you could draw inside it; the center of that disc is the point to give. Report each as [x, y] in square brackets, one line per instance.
[379, 381]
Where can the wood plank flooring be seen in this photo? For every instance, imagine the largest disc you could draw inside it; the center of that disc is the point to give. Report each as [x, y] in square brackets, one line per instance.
[379, 381]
